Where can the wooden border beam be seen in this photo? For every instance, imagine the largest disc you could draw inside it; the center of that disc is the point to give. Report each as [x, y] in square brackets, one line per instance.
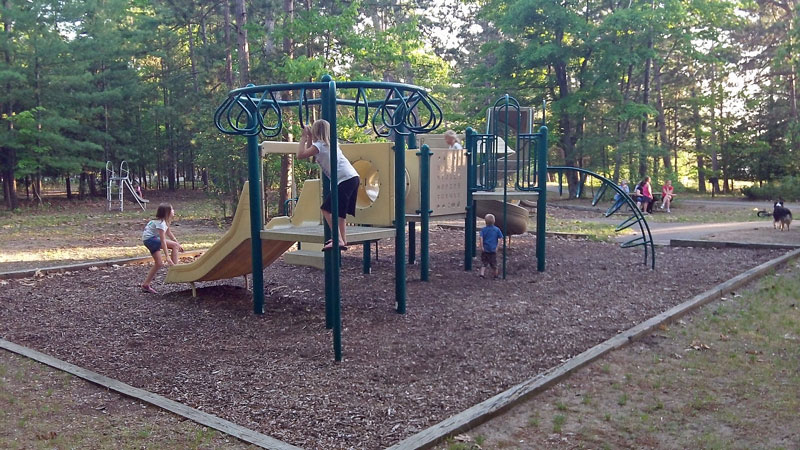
[219, 424]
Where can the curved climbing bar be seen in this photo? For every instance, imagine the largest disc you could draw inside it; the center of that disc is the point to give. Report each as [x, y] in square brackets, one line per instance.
[637, 218]
[259, 110]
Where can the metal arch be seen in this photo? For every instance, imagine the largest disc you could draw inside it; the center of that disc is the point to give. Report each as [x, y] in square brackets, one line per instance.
[255, 110]
[637, 217]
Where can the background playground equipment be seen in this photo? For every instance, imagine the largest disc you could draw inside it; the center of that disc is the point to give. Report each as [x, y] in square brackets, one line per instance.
[495, 173]
[523, 177]
[404, 111]
[116, 187]
[636, 218]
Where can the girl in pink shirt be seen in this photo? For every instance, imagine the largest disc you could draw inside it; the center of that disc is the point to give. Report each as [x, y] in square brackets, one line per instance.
[645, 194]
[666, 194]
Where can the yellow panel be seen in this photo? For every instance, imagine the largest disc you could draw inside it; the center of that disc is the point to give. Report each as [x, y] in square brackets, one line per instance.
[412, 181]
[375, 165]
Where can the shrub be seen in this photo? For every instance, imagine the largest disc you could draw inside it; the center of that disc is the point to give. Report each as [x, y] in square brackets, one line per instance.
[787, 188]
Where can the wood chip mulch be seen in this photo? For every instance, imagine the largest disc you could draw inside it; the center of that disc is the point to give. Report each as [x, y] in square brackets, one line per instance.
[463, 339]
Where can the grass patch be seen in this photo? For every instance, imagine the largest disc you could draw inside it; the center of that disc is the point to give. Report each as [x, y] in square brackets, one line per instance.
[595, 231]
[725, 377]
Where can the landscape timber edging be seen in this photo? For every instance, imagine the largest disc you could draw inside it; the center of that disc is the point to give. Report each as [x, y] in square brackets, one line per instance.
[27, 273]
[504, 401]
[721, 244]
[195, 415]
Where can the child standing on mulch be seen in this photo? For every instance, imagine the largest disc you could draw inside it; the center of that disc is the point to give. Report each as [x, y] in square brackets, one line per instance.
[315, 141]
[490, 237]
[155, 239]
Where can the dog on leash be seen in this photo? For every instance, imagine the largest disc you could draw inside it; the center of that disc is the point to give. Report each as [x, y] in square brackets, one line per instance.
[781, 216]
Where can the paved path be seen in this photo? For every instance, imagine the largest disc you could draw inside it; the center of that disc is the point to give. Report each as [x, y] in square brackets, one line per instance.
[663, 232]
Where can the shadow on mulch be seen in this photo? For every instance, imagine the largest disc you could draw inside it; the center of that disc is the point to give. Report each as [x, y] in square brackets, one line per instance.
[462, 340]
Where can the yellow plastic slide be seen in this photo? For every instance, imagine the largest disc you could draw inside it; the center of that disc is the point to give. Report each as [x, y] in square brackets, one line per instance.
[231, 255]
[517, 215]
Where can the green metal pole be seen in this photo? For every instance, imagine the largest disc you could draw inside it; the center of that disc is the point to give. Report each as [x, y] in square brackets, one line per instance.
[412, 242]
[541, 203]
[366, 260]
[425, 209]
[329, 97]
[469, 219]
[328, 256]
[254, 175]
[505, 187]
[400, 212]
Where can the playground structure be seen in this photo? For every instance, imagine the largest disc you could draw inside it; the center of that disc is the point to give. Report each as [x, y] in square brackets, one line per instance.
[403, 112]
[499, 173]
[117, 184]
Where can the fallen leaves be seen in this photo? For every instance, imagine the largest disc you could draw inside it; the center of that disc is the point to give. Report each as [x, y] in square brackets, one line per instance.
[699, 346]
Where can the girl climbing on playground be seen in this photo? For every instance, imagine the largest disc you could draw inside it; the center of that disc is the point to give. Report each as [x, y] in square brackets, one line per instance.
[155, 239]
[315, 141]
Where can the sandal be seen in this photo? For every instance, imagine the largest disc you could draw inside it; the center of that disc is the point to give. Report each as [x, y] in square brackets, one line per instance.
[149, 290]
[329, 245]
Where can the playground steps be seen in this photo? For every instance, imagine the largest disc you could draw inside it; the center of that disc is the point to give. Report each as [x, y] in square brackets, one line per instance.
[310, 258]
[315, 234]
[310, 255]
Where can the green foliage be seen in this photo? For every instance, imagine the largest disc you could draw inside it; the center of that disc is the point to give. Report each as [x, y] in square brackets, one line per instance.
[787, 188]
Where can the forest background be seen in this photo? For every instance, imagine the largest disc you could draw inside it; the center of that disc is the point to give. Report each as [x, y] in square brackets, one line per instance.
[702, 92]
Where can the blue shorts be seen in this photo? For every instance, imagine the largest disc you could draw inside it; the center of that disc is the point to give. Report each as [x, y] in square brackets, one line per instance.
[153, 244]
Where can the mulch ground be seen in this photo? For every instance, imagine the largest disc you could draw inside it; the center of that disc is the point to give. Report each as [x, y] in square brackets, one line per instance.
[462, 340]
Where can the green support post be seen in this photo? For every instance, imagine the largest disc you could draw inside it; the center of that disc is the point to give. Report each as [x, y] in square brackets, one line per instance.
[329, 98]
[505, 185]
[256, 213]
[412, 242]
[425, 209]
[366, 262]
[400, 212]
[469, 220]
[541, 202]
[327, 256]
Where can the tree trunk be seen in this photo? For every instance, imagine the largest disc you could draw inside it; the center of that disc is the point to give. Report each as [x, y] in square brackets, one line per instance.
[192, 57]
[10, 163]
[565, 123]
[715, 172]
[82, 186]
[661, 119]
[228, 46]
[240, 11]
[172, 160]
[698, 143]
[69, 186]
[643, 153]
[93, 185]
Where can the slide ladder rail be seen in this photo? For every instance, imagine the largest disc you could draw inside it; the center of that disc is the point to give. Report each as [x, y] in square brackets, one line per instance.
[645, 239]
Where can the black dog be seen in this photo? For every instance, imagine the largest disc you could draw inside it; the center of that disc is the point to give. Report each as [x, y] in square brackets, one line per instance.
[781, 216]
